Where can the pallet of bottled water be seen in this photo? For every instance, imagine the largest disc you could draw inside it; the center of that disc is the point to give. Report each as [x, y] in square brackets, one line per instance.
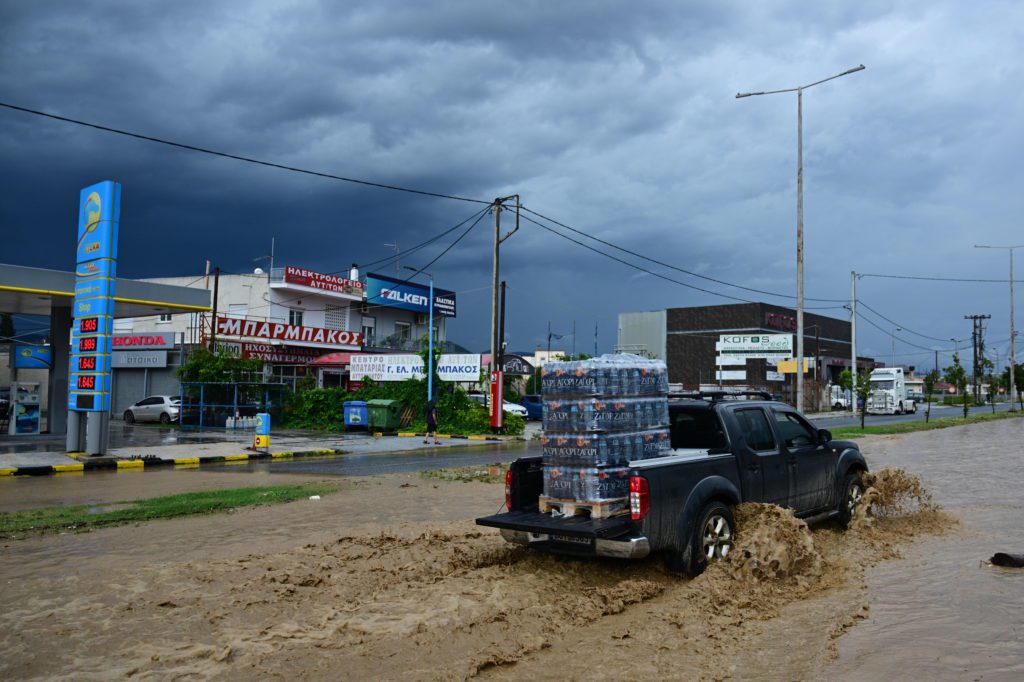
[604, 449]
[619, 374]
[599, 415]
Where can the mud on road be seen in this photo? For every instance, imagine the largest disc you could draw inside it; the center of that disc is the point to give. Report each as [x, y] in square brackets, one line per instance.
[444, 599]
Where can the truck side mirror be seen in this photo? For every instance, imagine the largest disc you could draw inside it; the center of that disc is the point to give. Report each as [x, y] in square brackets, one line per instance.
[824, 436]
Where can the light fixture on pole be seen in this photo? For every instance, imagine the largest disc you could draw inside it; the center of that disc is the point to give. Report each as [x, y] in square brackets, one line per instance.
[430, 333]
[800, 218]
[1013, 333]
[897, 329]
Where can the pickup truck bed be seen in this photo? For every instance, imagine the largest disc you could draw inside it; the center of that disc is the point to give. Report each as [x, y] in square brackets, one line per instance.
[724, 453]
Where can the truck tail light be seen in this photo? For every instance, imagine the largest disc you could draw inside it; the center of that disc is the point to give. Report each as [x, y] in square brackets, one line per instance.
[508, 489]
[639, 497]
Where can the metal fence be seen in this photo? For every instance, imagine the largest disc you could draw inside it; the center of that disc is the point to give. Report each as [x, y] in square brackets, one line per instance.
[210, 405]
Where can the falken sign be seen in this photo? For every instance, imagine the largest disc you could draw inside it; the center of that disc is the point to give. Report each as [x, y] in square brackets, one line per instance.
[397, 293]
[450, 367]
[755, 345]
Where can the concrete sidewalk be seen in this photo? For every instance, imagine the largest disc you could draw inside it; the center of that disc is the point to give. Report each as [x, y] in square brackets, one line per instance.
[194, 454]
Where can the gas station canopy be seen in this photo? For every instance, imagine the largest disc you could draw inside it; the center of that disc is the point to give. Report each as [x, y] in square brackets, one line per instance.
[35, 291]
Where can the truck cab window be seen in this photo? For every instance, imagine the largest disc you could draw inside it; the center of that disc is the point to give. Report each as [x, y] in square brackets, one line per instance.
[795, 432]
[756, 430]
[698, 429]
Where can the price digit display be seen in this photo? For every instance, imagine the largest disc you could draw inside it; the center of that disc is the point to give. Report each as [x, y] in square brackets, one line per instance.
[87, 345]
[87, 363]
[87, 382]
[89, 324]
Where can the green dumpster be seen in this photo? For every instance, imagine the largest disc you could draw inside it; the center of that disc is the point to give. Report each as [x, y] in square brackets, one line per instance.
[384, 415]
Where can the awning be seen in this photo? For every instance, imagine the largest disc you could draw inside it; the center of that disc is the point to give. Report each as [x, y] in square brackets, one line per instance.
[333, 360]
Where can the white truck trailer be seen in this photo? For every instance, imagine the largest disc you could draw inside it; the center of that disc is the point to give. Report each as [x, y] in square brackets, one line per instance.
[889, 392]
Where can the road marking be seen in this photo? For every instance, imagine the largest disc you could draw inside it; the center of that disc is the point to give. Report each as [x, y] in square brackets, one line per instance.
[130, 464]
[68, 467]
[7, 472]
[235, 458]
[186, 460]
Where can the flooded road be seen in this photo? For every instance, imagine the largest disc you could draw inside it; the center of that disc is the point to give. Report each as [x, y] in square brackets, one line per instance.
[939, 611]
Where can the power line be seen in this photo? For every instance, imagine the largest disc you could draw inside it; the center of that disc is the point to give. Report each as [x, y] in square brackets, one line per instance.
[236, 157]
[893, 335]
[940, 279]
[425, 243]
[897, 324]
[678, 269]
[650, 272]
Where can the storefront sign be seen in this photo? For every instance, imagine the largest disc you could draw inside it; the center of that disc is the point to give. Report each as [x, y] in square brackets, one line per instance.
[515, 364]
[788, 366]
[397, 293]
[729, 360]
[731, 375]
[450, 367]
[153, 341]
[281, 355]
[31, 357]
[324, 282]
[456, 367]
[780, 321]
[774, 376]
[755, 345]
[125, 359]
[228, 326]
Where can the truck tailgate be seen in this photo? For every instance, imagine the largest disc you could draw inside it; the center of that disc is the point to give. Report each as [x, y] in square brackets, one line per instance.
[577, 526]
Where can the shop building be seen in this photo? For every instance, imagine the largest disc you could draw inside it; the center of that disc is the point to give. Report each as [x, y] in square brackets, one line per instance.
[685, 338]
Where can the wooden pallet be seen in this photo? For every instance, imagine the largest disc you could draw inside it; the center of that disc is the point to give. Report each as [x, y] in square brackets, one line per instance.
[603, 509]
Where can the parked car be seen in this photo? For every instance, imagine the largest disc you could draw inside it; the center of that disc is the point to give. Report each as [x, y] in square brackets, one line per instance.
[511, 408]
[724, 452]
[156, 408]
[534, 404]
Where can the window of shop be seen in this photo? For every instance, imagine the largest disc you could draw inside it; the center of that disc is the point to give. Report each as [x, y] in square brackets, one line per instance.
[295, 318]
[288, 374]
[369, 330]
[336, 316]
[403, 330]
[165, 317]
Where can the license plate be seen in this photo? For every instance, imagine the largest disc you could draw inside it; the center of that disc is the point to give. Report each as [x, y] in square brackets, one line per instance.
[572, 539]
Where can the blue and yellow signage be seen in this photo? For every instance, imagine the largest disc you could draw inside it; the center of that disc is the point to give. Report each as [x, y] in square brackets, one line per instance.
[99, 215]
[31, 357]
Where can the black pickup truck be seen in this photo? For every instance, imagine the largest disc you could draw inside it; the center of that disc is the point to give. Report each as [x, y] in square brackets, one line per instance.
[724, 451]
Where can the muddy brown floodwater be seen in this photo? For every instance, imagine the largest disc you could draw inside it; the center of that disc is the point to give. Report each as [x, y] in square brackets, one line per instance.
[389, 579]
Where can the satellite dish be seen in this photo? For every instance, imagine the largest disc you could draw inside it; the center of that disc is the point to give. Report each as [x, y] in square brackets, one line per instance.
[258, 271]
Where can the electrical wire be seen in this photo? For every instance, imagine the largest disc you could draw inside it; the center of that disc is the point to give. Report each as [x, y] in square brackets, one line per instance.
[896, 324]
[939, 279]
[678, 269]
[236, 157]
[651, 272]
[892, 335]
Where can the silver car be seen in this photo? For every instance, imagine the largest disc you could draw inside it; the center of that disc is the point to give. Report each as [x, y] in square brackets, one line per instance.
[156, 408]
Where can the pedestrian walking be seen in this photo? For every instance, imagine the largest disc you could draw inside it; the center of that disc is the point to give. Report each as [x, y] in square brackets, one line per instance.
[431, 415]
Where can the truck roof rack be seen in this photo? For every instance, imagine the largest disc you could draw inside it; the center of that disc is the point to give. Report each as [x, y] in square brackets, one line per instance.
[715, 396]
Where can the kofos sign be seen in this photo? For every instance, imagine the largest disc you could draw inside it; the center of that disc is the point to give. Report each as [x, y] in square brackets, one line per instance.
[397, 293]
[324, 282]
[228, 326]
[755, 345]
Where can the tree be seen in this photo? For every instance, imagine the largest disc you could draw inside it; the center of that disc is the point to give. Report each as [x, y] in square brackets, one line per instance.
[956, 375]
[929, 387]
[846, 383]
[863, 390]
[1018, 377]
[987, 366]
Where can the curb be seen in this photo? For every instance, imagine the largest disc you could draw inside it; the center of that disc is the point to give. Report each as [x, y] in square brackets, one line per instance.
[408, 434]
[139, 463]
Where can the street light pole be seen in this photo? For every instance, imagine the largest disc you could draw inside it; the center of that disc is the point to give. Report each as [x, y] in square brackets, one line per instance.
[896, 329]
[800, 219]
[430, 334]
[1013, 333]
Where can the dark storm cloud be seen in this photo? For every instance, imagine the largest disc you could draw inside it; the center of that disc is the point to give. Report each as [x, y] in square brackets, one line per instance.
[617, 118]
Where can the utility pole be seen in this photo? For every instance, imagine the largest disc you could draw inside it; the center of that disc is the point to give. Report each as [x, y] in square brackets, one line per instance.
[1013, 333]
[978, 343]
[574, 339]
[498, 239]
[853, 340]
[595, 339]
[893, 360]
[213, 323]
[501, 329]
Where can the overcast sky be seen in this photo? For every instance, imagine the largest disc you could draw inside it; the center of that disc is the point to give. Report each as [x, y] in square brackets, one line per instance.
[618, 119]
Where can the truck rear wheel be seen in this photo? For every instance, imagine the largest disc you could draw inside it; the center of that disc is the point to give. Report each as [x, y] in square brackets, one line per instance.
[712, 540]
